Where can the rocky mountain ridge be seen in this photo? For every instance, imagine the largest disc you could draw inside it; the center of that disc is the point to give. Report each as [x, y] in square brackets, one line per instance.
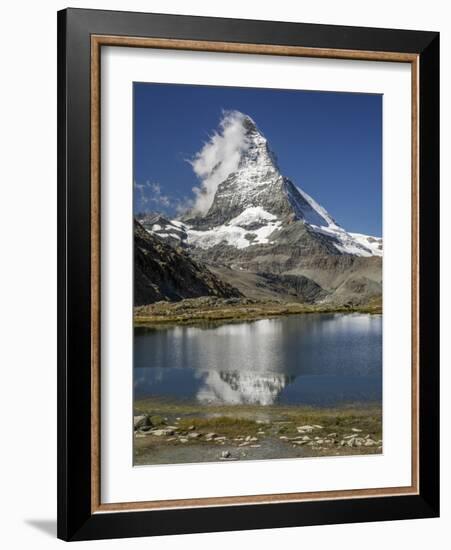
[165, 273]
[267, 238]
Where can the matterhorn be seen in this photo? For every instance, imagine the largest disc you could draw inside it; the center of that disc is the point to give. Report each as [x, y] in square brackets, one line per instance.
[261, 234]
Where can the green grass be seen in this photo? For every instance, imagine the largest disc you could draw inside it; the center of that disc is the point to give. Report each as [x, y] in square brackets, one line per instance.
[275, 420]
[164, 313]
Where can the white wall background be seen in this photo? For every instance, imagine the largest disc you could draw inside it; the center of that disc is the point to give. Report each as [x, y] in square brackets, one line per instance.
[28, 271]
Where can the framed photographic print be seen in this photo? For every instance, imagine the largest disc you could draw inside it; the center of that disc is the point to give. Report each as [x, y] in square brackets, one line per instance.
[248, 274]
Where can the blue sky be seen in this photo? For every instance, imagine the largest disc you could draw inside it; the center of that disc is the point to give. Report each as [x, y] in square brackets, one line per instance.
[329, 144]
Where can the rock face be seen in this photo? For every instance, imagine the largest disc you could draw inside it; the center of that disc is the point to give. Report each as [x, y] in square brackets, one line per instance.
[163, 272]
[172, 232]
[269, 286]
[271, 240]
[142, 421]
[256, 183]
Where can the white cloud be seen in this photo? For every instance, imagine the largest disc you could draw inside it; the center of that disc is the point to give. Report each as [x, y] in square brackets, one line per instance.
[150, 193]
[218, 158]
[184, 205]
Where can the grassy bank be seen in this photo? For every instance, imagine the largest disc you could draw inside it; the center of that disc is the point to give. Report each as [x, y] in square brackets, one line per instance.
[206, 432]
[198, 310]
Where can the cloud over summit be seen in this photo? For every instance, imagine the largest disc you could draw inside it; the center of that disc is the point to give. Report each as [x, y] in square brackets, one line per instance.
[218, 158]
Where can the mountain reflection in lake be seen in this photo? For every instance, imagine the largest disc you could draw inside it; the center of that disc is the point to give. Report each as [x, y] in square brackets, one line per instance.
[313, 359]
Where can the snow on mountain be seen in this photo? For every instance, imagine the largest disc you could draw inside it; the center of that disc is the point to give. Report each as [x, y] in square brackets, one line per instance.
[320, 214]
[253, 226]
[373, 243]
[252, 215]
[254, 201]
[173, 231]
[347, 243]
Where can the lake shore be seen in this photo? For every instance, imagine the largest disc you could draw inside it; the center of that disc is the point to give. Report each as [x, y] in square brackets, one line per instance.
[217, 310]
[176, 431]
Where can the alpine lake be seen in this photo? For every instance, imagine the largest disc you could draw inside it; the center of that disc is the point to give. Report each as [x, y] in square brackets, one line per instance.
[293, 386]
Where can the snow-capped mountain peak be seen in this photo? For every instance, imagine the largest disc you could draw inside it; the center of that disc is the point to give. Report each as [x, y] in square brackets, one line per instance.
[257, 158]
[255, 202]
[255, 183]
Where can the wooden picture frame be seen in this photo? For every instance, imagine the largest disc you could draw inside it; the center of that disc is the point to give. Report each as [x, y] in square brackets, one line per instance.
[81, 35]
